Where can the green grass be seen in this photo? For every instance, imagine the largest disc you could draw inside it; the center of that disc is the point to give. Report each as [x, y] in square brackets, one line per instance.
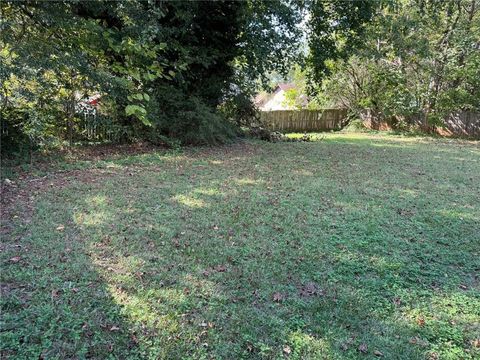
[336, 249]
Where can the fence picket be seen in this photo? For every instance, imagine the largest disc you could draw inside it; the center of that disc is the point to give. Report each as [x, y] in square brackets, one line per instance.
[303, 120]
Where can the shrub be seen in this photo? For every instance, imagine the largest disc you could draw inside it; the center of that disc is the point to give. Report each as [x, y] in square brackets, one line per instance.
[240, 110]
[355, 125]
[187, 120]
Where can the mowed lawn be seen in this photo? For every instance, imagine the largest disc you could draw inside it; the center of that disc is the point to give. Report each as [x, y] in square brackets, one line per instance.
[355, 246]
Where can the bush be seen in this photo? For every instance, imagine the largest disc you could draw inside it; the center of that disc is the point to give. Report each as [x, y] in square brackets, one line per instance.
[240, 110]
[187, 120]
[355, 125]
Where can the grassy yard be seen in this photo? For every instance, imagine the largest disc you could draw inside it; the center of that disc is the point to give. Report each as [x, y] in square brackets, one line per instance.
[354, 246]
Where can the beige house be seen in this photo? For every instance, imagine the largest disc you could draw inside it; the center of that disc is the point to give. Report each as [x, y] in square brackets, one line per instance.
[275, 100]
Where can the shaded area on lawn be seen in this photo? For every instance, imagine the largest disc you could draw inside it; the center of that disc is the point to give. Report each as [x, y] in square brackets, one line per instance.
[315, 250]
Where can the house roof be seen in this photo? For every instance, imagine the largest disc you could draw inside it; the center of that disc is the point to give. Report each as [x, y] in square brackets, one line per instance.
[285, 86]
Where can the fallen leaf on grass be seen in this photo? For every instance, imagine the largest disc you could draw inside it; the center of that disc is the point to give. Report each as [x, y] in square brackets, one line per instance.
[114, 328]
[15, 259]
[277, 297]
[60, 227]
[377, 353]
[310, 289]
[208, 325]
[420, 321]
[287, 350]
[221, 268]
[363, 348]
[417, 341]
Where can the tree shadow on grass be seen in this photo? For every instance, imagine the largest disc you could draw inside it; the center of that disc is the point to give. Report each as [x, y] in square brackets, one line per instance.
[54, 302]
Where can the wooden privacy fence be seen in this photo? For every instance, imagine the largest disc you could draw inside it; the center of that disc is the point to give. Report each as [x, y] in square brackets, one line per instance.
[303, 120]
[459, 123]
[463, 123]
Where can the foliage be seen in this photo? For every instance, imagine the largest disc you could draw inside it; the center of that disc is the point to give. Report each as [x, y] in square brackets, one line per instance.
[187, 119]
[334, 32]
[297, 97]
[240, 109]
[55, 53]
[216, 54]
[219, 253]
[418, 57]
[58, 52]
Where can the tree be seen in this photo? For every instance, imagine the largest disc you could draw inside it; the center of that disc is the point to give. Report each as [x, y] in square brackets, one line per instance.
[417, 58]
[142, 58]
[335, 30]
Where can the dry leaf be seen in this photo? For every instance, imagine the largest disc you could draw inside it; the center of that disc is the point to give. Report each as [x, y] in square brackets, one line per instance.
[377, 353]
[277, 297]
[363, 348]
[60, 227]
[418, 341]
[15, 259]
[287, 350]
[420, 321]
[114, 328]
[221, 268]
[310, 289]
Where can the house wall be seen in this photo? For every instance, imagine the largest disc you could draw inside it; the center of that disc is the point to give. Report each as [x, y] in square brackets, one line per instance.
[276, 102]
